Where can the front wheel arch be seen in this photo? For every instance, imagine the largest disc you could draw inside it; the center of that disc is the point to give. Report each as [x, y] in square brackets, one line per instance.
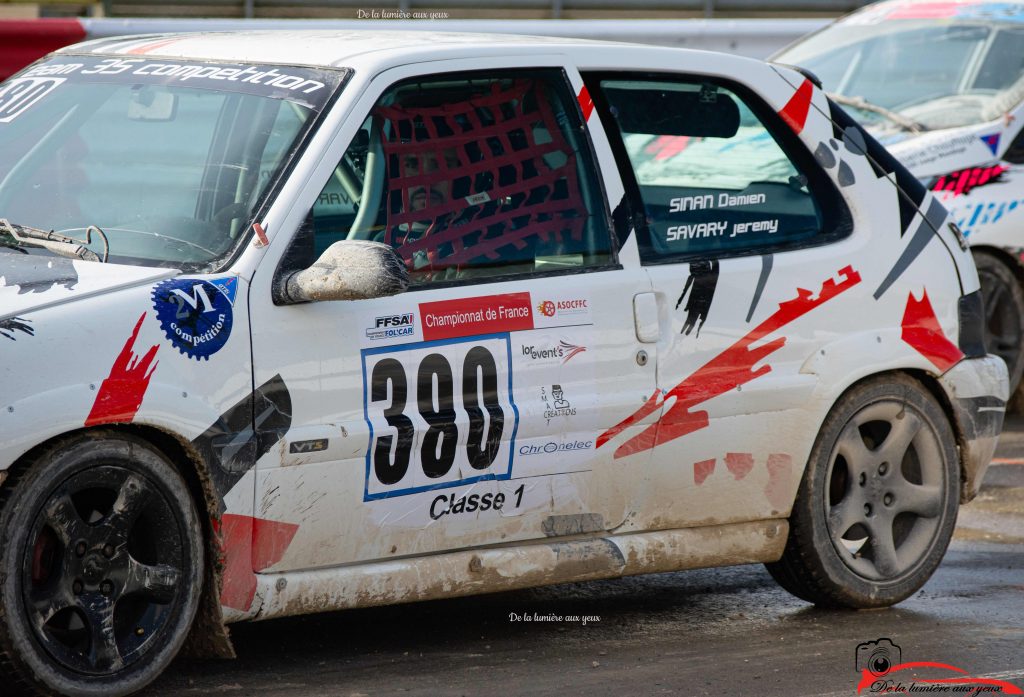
[209, 637]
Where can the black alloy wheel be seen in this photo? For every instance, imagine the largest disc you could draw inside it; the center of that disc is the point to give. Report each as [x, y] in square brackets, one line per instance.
[102, 576]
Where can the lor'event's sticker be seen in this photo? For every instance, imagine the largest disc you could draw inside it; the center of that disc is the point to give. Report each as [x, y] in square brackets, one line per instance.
[196, 315]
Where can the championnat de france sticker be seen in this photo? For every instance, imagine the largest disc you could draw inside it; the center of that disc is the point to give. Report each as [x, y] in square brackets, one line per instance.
[195, 314]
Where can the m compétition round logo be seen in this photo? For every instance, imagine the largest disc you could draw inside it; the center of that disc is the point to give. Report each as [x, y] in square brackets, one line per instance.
[195, 315]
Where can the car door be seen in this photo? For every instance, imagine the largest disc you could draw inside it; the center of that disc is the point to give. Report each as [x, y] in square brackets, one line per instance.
[744, 235]
[466, 410]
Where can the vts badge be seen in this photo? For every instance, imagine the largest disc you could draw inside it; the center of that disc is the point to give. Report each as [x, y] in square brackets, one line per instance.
[196, 315]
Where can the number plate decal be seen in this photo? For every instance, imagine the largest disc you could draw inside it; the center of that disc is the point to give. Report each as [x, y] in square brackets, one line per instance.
[441, 414]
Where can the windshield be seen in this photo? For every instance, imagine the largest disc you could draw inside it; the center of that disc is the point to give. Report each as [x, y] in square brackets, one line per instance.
[169, 159]
[937, 73]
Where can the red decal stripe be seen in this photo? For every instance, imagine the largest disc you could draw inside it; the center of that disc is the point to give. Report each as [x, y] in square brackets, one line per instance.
[922, 331]
[148, 48]
[702, 470]
[726, 371]
[739, 464]
[780, 473]
[586, 103]
[795, 111]
[963, 181]
[250, 545]
[667, 147]
[120, 395]
[489, 314]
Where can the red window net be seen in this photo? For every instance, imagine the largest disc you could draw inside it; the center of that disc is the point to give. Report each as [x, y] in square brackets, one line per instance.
[479, 181]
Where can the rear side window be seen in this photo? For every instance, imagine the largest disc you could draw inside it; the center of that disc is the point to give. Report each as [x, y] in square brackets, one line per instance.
[469, 176]
[709, 175]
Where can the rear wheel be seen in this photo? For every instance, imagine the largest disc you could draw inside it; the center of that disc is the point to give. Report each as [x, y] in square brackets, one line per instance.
[1004, 313]
[878, 501]
[101, 568]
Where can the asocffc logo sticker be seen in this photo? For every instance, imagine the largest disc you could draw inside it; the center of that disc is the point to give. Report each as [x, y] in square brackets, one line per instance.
[554, 308]
[195, 314]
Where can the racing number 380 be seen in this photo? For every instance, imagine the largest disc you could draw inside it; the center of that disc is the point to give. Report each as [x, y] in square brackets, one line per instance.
[440, 415]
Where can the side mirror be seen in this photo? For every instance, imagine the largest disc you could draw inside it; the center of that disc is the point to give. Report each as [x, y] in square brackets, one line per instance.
[347, 270]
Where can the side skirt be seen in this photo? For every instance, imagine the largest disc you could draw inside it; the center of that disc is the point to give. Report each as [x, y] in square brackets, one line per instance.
[543, 563]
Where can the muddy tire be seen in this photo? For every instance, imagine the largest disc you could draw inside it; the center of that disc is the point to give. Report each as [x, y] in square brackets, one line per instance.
[878, 502]
[1004, 313]
[100, 571]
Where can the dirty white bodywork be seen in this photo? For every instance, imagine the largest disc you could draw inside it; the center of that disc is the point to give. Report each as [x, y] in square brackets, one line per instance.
[585, 492]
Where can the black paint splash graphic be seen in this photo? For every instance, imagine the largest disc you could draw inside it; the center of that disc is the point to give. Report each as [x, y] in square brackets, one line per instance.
[766, 269]
[15, 324]
[244, 433]
[701, 285]
[36, 274]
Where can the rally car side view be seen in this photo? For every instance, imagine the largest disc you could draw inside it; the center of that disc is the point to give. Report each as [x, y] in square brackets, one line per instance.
[314, 321]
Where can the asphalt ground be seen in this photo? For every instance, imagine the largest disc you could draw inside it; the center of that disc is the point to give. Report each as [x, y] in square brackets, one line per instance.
[728, 631]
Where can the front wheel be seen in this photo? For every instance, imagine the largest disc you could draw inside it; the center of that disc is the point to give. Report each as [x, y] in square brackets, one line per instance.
[101, 568]
[878, 502]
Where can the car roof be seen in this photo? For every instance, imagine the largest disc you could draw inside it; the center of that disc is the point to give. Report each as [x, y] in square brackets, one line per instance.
[326, 48]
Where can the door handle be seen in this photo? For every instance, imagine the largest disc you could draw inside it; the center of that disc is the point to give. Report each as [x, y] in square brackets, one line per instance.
[645, 318]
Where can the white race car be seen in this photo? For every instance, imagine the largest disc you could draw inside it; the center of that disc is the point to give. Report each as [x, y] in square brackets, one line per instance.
[941, 85]
[296, 322]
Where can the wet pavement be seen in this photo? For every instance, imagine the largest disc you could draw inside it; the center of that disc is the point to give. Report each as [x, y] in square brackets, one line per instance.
[725, 631]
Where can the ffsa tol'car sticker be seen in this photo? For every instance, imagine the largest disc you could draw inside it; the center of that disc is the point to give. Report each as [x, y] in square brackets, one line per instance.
[195, 314]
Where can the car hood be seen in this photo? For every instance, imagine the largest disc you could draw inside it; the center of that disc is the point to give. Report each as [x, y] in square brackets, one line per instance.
[30, 282]
[935, 153]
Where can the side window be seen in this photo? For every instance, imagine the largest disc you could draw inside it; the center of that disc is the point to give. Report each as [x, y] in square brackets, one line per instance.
[711, 178]
[471, 175]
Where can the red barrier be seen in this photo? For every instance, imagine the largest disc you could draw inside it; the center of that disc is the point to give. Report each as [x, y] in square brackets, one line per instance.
[25, 40]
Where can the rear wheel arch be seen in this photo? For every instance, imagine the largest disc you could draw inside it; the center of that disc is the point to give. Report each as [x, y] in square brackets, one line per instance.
[823, 578]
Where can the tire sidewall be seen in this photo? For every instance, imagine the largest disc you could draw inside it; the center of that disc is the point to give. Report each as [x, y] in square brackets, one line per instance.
[990, 263]
[56, 465]
[811, 506]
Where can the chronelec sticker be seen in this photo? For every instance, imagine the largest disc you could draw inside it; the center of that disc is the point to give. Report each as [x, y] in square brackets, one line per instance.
[196, 315]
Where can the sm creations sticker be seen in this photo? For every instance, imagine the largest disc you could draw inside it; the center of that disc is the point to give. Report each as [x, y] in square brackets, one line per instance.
[196, 315]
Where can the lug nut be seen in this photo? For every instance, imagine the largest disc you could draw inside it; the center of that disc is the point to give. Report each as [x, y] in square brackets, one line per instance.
[888, 499]
[106, 588]
[863, 479]
[108, 551]
[883, 468]
[76, 587]
[867, 509]
[80, 549]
